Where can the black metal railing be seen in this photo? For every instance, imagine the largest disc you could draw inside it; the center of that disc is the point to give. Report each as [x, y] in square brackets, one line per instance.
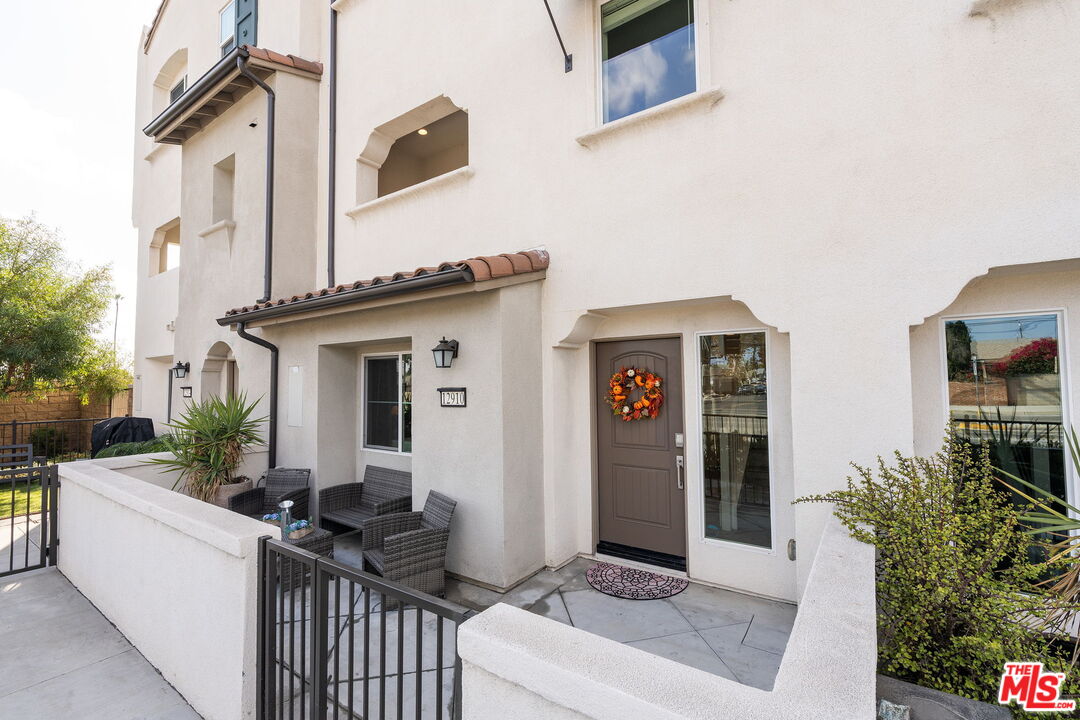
[28, 504]
[1033, 433]
[335, 642]
[57, 440]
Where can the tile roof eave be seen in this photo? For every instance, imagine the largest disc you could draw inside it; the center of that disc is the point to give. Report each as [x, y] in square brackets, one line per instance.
[474, 270]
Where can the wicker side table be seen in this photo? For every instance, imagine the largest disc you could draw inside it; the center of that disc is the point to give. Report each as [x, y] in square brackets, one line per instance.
[319, 542]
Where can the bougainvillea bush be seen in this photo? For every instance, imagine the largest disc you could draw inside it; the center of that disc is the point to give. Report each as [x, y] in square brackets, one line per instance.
[954, 575]
[1036, 358]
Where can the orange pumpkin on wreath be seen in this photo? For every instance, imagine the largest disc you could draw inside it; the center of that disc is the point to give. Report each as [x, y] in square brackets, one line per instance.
[623, 397]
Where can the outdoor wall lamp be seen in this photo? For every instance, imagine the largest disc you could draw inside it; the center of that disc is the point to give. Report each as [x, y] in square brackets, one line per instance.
[445, 352]
[180, 370]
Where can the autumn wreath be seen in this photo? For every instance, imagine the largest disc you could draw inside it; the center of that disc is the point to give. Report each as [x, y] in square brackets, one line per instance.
[625, 386]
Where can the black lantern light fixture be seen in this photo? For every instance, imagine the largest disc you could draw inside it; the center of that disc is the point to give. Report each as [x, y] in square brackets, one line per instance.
[445, 352]
[180, 370]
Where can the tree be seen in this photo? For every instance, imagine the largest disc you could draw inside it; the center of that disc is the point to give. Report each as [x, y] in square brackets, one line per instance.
[49, 312]
[958, 350]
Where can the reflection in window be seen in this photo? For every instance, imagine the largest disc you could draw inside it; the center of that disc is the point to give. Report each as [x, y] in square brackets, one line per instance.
[227, 28]
[648, 54]
[1004, 376]
[735, 438]
[388, 403]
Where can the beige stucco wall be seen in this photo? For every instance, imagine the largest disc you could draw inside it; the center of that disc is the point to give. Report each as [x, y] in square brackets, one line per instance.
[130, 546]
[865, 162]
[486, 456]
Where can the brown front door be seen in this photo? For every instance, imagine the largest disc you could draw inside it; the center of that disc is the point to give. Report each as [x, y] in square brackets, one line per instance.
[641, 497]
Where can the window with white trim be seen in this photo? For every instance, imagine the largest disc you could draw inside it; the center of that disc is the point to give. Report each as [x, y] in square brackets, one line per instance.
[227, 28]
[178, 90]
[648, 54]
[387, 384]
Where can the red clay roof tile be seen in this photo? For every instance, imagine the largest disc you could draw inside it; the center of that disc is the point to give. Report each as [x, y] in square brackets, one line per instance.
[482, 269]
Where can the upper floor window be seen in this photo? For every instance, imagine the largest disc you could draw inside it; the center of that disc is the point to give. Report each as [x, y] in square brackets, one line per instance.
[648, 54]
[165, 248]
[430, 151]
[178, 90]
[227, 28]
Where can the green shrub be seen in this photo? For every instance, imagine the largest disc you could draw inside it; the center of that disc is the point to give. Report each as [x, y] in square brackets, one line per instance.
[141, 447]
[954, 578]
[48, 441]
[208, 444]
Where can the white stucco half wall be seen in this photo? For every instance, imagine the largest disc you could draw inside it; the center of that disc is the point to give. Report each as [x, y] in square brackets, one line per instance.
[523, 666]
[177, 577]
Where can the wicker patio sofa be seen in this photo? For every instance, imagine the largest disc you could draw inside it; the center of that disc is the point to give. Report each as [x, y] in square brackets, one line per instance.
[410, 548]
[275, 485]
[350, 505]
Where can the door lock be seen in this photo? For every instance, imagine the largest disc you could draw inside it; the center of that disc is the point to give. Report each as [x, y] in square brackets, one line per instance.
[679, 464]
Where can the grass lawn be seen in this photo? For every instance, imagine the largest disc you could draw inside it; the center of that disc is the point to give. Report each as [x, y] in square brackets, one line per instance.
[22, 500]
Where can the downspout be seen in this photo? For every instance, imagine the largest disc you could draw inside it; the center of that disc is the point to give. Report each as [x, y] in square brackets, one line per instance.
[331, 190]
[268, 222]
[271, 445]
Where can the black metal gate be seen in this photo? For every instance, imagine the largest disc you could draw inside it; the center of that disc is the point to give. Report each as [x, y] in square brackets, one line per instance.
[29, 494]
[335, 642]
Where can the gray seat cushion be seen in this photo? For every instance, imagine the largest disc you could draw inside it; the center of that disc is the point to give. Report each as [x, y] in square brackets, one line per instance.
[353, 517]
[377, 559]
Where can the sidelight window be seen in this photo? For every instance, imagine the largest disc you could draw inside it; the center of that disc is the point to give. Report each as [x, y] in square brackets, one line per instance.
[388, 403]
[1005, 392]
[735, 438]
[648, 54]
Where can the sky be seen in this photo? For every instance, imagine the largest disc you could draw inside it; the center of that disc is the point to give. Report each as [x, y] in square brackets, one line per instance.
[67, 104]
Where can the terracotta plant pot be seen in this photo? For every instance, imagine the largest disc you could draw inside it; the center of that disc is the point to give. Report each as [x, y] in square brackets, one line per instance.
[221, 497]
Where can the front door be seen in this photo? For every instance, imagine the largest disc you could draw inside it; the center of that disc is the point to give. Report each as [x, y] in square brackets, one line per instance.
[642, 504]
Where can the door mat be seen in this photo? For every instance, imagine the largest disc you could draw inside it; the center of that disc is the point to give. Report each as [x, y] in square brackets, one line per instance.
[633, 584]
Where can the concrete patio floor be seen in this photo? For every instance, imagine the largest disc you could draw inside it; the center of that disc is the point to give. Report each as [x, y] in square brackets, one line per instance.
[733, 635]
[61, 659]
[20, 542]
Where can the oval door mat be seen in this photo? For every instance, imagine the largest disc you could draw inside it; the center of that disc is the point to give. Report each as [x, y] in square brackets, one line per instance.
[633, 584]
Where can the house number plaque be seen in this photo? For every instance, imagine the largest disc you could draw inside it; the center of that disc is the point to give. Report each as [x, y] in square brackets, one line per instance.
[452, 397]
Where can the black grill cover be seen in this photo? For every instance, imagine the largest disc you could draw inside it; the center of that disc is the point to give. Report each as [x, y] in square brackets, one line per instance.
[120, 430]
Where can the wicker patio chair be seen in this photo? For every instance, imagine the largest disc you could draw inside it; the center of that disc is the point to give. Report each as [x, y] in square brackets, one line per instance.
[383, 491]
[276, 485]
[410, 548]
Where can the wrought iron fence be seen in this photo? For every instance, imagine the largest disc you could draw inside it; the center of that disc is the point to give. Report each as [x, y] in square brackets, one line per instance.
[56, 440]
[1031, 433]
[28, 503]
[334, 642]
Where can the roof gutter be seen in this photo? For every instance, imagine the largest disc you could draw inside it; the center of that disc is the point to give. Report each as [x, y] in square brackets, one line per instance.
[212, 77]
[444, 278]
[271, 444]
[331, 191]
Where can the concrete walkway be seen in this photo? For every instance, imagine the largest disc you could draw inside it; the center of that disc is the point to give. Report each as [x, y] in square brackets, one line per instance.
[61, 659]
[736, 636]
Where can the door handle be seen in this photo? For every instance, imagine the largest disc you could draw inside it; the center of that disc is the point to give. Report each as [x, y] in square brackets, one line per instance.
[679, 463]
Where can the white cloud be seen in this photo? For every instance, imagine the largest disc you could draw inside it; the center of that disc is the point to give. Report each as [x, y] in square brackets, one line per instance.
[638, 72]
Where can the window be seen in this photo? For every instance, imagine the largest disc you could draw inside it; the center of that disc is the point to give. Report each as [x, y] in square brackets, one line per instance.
[165, 248]
[178, 90]
[735, 438]
[430, 151]
[1005, 392]
[648, 54]
[227, 28]
[388, 403]
[223, 188]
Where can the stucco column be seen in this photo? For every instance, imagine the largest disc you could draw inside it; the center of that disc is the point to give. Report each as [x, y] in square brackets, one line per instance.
[851, 402]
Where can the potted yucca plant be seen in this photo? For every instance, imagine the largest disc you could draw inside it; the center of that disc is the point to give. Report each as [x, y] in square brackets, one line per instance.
[207, 445]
